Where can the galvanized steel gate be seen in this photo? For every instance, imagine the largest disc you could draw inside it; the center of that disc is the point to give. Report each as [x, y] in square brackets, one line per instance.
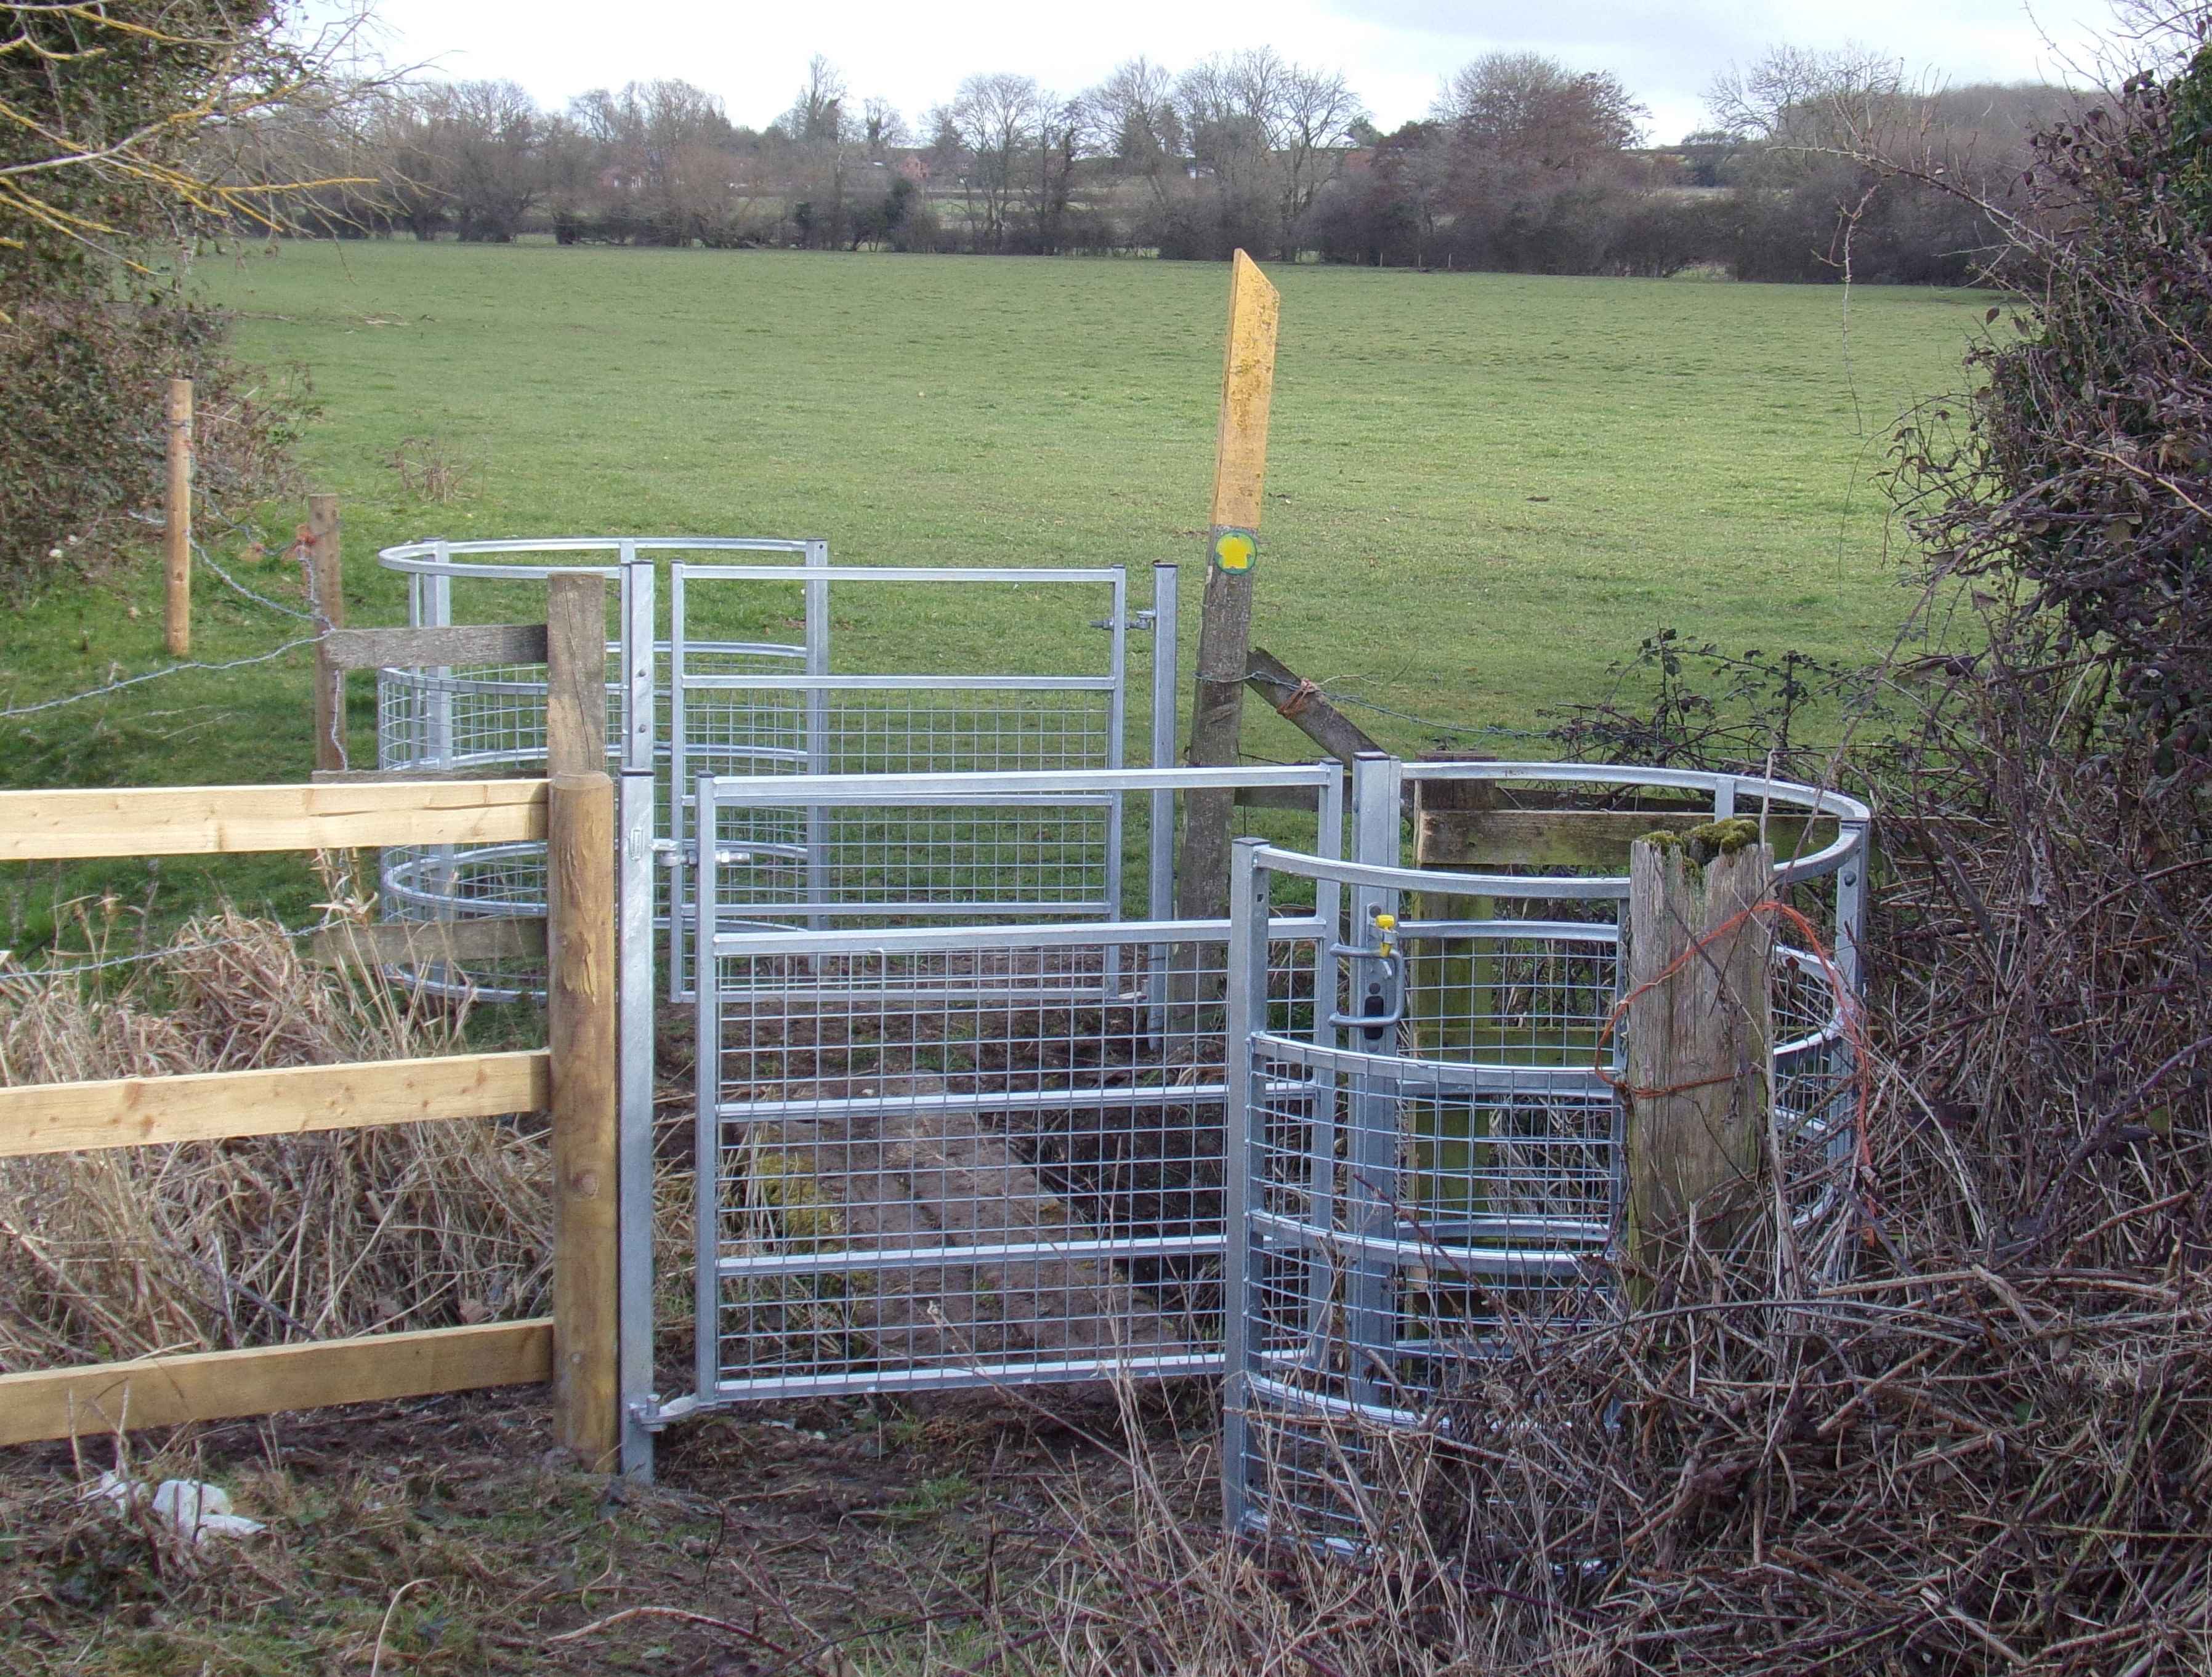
[970, 1131]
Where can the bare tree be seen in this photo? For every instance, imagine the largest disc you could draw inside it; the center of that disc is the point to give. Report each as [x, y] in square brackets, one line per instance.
[1131, 117]
[1525, 109]
[1270, 134]
[1318, 112]
[482, 150]
[667, 173]
[817, 114]
[996, 119]
[1806, 96]
[112, 118]
[882, 128]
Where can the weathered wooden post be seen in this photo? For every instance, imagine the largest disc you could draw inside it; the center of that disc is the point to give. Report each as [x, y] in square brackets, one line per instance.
[176, 533]
[576, 674]
[580, 1028]
[1699, 1042]
[326, 582]
[1224, 637]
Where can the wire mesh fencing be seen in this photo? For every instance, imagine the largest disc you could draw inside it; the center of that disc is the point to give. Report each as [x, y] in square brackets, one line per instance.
[936, 1151]
[1434, 1173]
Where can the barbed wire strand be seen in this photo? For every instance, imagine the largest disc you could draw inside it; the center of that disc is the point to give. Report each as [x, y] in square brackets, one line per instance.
[307, 616]
[1468, 728]
[311, 614]
[107, 687]
[62, 964]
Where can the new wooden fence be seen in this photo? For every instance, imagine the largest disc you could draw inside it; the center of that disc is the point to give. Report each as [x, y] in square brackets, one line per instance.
[573, 1080]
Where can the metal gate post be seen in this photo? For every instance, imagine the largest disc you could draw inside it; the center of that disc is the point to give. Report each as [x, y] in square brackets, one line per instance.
[1371, 1327]
[1159, 889]
[1851, 933]
[438, 600]
[681, 877]
[818, 725]
[636, 887]
[706, 1128]
[1247, 1015]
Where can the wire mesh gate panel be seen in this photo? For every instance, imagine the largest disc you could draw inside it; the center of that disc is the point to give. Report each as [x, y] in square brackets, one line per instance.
[736, 703]
[749, 709]
[940, 1154]
[1432, 1165]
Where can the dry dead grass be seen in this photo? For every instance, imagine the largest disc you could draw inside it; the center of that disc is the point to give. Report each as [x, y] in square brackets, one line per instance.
[217, 1246]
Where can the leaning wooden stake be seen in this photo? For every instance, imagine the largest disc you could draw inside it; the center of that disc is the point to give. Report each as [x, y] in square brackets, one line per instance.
[1699, 1043]
[177, 543]
[1225, 636]
[326, 583]
[580, 998]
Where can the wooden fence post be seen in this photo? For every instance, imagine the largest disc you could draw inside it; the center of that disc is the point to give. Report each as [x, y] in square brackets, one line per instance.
[1225, 634]
[1699, 1042]
[580, 1028]
[177, 533]
[575, 674]
[326, 582]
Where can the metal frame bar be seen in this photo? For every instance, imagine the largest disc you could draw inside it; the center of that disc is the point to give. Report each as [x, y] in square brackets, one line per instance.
[636, 994]
[1250, 923]
[706, 1126]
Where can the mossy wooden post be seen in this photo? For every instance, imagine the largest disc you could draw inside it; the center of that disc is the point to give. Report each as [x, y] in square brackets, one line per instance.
[1225, 636]
[1699, 1042]
[325, 581]
[177, 532]
[581, 1031]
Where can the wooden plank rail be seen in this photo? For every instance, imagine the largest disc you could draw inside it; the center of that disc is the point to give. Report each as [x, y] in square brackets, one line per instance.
[204, 820]
[1479, 839]
[344, 650]
[412, 943]
[289, 1101]
[222, 1385]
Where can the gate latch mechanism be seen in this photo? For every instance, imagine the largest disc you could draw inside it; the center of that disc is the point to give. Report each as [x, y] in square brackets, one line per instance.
[1378, 981]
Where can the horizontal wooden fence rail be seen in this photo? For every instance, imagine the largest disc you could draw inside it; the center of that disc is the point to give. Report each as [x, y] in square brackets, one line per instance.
[1479, 839]
[210, 820]
[414, 942]
[226, 1385]
[572, 1082]
[286, 1100]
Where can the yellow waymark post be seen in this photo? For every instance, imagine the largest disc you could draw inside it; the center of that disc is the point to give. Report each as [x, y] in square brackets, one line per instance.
[1225, 636]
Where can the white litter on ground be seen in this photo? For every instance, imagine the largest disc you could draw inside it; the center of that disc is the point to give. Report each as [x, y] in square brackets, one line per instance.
[198, 1510]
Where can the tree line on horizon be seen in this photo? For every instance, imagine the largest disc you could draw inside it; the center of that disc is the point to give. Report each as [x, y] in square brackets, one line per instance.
[1520, 164]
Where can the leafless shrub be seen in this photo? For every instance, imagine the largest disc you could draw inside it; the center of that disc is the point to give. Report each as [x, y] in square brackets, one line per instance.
[430, 470]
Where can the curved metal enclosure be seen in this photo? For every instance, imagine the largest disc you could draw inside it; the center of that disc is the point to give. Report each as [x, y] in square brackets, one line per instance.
[1432, 1145]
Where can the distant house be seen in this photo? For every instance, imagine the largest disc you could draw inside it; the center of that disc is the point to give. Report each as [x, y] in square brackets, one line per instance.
[915, 167]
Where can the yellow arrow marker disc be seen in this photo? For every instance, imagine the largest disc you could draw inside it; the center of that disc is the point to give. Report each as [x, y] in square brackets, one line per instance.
[1235, 550]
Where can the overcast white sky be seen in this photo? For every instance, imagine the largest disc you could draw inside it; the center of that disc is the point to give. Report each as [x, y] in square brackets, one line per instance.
[1393, 51]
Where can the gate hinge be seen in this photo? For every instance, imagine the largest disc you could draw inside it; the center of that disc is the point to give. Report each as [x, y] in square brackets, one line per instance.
[1144, 618]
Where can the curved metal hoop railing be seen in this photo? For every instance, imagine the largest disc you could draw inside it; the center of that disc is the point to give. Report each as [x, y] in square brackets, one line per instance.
[1426, 1147]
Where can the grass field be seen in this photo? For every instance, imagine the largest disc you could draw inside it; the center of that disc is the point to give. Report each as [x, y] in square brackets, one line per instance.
[1483, 489]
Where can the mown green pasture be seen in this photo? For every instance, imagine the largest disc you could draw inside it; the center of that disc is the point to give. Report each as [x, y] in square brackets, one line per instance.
[1483, 489]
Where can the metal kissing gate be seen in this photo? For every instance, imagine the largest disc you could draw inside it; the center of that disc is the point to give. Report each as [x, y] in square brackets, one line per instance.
[1430, 1166]
[971, 1107]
